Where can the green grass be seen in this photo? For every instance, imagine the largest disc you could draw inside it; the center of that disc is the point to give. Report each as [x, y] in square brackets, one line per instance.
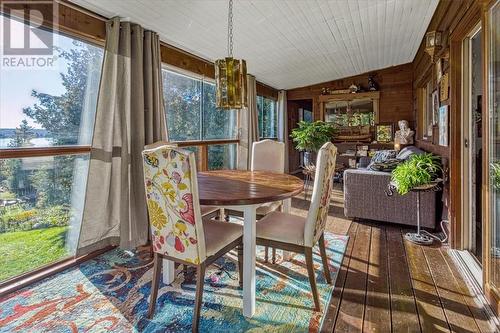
[24, 251]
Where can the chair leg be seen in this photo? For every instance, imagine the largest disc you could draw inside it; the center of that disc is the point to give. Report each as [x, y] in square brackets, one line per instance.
[239, 249]
[305, 186]
[312, 277]
[274, 255]
[200, 280]
[155, 284]
[266, 256]
[324, 258]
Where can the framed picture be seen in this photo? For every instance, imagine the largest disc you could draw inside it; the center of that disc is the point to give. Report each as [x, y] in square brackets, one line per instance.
[439, 69]
[384, 133]
[435, 107]
[443, 125]
[443, 88]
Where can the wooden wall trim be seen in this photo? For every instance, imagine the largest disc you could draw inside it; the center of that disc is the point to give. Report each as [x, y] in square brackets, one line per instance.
[471, 18]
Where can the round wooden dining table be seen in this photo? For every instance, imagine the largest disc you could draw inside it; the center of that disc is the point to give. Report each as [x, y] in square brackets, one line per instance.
[245, 191]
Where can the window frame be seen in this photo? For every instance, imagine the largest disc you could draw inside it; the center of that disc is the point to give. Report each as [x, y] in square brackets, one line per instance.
[201, 144]
[21, 280]
[276, 118]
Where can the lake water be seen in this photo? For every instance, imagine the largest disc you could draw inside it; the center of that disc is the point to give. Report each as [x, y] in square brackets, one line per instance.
[37, 142]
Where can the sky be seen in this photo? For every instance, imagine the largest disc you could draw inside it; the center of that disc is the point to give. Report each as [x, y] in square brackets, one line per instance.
[16, 84]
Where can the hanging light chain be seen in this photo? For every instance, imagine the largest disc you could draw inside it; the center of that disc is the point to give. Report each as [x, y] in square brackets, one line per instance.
[230, 29]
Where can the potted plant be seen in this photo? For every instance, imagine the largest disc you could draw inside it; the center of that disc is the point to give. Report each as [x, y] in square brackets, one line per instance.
[418, 170]
[310, 136]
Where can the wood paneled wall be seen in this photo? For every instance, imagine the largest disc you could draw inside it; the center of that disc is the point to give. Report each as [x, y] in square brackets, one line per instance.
[396, 92]
[448, 15]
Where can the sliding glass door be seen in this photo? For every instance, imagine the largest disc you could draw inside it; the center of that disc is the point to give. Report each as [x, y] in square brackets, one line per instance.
[492, 188]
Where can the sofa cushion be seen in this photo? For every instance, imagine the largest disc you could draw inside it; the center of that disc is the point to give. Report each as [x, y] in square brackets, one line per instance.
[406, 152]
[382, 156]
[385, 166]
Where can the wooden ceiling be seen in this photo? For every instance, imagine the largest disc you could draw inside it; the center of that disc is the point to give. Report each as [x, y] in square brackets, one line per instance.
[287, 43]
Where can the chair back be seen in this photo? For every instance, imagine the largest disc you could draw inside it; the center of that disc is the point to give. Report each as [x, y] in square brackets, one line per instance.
[173, 203]
[268, 155]
[159, 144]
[320, 200]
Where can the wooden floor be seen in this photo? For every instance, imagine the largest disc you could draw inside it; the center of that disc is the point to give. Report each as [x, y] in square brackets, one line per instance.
[387, 284]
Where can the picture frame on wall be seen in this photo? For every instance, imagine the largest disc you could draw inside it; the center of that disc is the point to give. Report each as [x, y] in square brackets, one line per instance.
[443, 88]
[384, 133]
[439, 69]
[435, 107]
[443, 125]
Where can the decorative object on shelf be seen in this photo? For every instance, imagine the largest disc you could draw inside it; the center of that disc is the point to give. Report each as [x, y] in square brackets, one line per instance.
[404, 136]
[231, 74]
[435, 107]
[353, 88]
[443, 125]
[443, 88]
[309, 137]
[338, 91]
[384, 133]
[433, 43]
[372, 85]
[325, 91]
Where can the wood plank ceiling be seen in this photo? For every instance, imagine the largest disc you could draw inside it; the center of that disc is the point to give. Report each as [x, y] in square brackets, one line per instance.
[287, 43]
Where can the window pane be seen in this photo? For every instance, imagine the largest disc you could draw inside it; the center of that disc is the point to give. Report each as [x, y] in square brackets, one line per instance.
[41, 201]
[217, 123]
[267, 117]
[50, 105]
[222, 157]
[182, 96]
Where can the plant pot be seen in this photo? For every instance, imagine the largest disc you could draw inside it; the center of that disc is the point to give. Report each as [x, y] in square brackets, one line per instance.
[308, 158]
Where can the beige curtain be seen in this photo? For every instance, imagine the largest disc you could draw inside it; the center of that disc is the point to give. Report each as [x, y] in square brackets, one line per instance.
[249, 128]
[129, 115]
[283, 124]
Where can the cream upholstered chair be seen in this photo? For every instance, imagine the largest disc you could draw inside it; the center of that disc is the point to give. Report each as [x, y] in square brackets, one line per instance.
[298, 234]
[205, 210]
[178, 231]
[268, 155]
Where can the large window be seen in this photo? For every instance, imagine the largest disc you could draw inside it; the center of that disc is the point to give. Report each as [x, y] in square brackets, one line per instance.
[267, 118]
[192, 116]
[41, 192]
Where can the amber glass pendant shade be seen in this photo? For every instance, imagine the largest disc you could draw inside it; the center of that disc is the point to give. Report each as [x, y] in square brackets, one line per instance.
[231, 83]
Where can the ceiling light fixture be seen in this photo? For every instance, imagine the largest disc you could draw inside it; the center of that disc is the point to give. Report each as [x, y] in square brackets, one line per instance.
[231, 74]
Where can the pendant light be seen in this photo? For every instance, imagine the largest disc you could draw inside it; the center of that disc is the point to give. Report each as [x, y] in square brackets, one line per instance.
[230, 74]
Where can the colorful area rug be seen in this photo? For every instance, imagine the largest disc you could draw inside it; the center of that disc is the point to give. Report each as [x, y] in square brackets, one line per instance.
[111, 294]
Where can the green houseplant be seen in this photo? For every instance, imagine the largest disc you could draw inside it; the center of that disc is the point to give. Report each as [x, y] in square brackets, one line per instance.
[495, 175]
[417, 170]
[310, 136]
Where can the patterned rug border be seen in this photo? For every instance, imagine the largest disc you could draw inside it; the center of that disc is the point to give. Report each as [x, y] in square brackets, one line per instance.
[116, 285]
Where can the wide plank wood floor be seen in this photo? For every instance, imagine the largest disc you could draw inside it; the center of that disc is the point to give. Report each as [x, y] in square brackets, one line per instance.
[387, 284]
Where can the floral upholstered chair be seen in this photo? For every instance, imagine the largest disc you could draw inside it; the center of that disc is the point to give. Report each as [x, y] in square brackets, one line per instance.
[178, 231]
[298, 234]
[205, 210]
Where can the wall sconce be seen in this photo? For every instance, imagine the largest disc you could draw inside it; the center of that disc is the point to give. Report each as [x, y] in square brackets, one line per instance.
[433, 42]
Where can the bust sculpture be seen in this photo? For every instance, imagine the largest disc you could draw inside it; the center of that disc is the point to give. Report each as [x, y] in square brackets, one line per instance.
[404, 136]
